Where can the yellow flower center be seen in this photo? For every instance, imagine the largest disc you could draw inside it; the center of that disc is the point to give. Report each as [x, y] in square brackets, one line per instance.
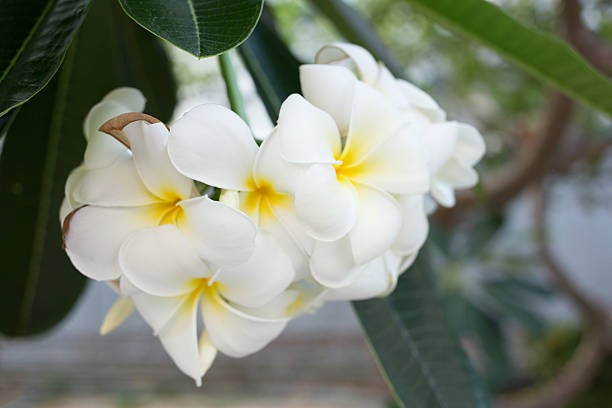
[260, 201]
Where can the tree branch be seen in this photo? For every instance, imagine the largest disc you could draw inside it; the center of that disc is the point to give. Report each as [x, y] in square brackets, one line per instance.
[584, 365]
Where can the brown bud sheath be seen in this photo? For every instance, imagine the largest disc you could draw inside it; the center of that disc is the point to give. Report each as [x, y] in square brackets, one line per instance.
[114, 126]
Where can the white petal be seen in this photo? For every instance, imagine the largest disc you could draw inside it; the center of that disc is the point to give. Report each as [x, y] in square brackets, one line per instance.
[272, 170]
[102, 151]
[221, 234]
[442, 192]
[292, 238]
[398, 165]
[234, 332]
[327, 207]
[180, 339]
[116, 315]
[210, 143]
[470, 145]
[375, 279]
[378, 223]
[415, 226]
[366, 65]
[95, 235]
[161, 261]
[118, 185]
[389, 86]
[131, 98]
[99, 114]
[257, 281]
[440, 140]
[158, 310]
[149, 147]
[127, 288]
[420, 100]
[457, 175]
[307, 134]
[332, 263]
[207, 351]
[330, 88]
[373, 120]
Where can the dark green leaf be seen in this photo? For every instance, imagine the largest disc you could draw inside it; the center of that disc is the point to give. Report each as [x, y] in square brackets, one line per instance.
[537, 52]
[415, 346]
[35, 35]
[356, 29]
[200, 27]
[271, 64]
[45, 141]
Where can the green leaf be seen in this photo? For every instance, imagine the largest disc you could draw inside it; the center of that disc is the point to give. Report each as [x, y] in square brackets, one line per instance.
[45, 142]
[539, 53]
[271, 64]
[200, 27]
[354, 28]
[415, 346]
[35, 35]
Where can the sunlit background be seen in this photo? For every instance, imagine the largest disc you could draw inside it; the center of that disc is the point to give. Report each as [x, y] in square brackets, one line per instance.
[515, 324]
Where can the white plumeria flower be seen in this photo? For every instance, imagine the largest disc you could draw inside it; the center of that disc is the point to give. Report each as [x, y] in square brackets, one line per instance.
[345, 197]
[101, 149]
[453, 147]
[213, 145]
[141, 221]
[243, 307]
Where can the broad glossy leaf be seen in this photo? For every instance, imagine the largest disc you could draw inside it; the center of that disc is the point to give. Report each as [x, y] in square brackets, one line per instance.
[200, 27]
[535, 51]
[354, 28]
[415, 346]
[34, 37]
[44, 142]
[271, 64]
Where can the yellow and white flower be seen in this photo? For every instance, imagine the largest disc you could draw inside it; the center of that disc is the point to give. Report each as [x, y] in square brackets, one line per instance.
[453, 148]
[136, 218]
[215, 146]
[345, 198]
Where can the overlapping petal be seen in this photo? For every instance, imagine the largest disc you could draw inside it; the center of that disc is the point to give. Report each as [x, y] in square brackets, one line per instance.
[378, 224]
[210, 143]
[373, 120]
[220, 234]
[307, 134]
[94, 235]
[118, 185]
[234, 332]
[326, 206]
[350, 54]
[397, 165]
[330, 88]
[179, 338]
[261, 278]
[148, 143]
[161, 261]
[415, 226]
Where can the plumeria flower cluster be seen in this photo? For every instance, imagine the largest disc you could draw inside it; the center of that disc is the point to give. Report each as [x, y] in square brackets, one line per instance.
[331, 205]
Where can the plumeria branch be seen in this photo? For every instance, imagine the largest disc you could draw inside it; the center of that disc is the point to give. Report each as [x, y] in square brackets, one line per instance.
[578, 373]
[231, 83]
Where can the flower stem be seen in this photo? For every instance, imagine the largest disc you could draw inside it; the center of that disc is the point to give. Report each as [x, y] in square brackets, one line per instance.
[231, 85]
